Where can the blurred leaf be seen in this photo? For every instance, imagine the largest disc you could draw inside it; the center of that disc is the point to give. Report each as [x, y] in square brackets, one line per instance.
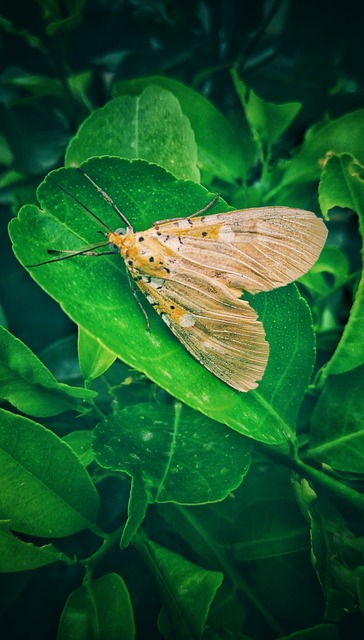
[98, 609]
[342, 185]
[38, 85]
[107, 308]
[187, 590]
[333, 261]
[151, 126]
[30, 386]
[343, 135]
[53, 14]
[174, 451]
[267, 120]
[337, 424]
[6, 159]
[36, 133]
[94, 358]
[221, 153]
[35, 85]
[17, 555]
[30, 38]
[45, 491]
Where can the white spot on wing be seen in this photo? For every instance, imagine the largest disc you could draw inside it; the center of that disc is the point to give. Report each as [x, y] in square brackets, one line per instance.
[226, 234]
[155, 282]
[187, 320]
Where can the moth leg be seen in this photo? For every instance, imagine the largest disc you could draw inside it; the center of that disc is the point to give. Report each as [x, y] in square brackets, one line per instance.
[68, 253]
[197, 213]
[135, 294]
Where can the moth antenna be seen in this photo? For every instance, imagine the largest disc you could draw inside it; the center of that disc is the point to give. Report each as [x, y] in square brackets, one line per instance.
[108, 199]
[71, 254]
[91, 213]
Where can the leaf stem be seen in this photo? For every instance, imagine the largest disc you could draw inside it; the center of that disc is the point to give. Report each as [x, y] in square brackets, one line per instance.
[109, 540]
[341, 490]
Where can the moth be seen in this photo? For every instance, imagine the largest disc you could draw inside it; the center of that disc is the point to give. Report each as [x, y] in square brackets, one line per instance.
[195, 270]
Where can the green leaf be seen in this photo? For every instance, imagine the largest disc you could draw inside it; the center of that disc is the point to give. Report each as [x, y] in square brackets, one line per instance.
[30, 386]
[333, 261]
[267, 120]
[272, 527]
[336, 552]
[137, 507]
[187, 590]
[342, 185]
[360, 586]
[81, 443]
[17, 555]
[95, 293]
[99, 609]
[45, 491]
[151, 127]
[93, 356]
[175, 451]
[337, 425]
[343, 135]
[318, 632]
[221, 153]
[227, 615]
[250, 524]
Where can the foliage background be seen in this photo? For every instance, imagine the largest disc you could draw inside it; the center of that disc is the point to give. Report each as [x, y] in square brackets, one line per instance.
[59, 61]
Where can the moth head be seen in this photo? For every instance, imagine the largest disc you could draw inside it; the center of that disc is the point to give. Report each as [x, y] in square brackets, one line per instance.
[116, 238]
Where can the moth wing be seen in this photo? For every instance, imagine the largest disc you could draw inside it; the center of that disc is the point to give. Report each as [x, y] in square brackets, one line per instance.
[248, 250]
[222, 332]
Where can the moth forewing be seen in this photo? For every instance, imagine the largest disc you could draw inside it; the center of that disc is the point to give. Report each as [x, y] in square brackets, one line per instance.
[249, 250]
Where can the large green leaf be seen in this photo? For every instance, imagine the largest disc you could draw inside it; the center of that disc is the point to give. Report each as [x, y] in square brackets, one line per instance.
[158, 444]
[221, 153]
[30, 386]
[150, 126]
[95, 293]
[45, 490]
